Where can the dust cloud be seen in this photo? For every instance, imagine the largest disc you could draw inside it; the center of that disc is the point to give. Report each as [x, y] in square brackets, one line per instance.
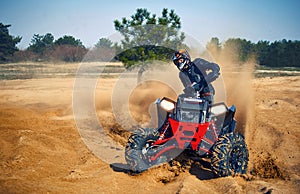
[237, 79]
[131, 98]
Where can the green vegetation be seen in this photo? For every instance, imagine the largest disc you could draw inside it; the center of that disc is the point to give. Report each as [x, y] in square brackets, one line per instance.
[40, 43]
[276, 54]
[68, 40]
[104, 43]
[104, 50]
[7, 43]
[146, 37]
[44, 48]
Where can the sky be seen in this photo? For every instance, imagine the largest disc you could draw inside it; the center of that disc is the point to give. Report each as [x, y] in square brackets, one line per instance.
[90, 20]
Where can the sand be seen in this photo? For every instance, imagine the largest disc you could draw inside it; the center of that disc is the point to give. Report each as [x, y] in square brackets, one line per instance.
[42, 150]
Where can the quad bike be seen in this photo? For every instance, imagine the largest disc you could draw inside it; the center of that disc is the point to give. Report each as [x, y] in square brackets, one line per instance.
[190, 124]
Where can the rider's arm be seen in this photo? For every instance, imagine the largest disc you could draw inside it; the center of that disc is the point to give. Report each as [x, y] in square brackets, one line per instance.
[184, 79]
[214, 73]
[188, 86]
[210, 70]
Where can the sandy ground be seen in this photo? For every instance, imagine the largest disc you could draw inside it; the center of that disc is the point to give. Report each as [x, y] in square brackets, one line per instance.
[43, 152]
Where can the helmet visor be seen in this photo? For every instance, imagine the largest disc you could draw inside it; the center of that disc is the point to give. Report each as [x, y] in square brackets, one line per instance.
[180, 63]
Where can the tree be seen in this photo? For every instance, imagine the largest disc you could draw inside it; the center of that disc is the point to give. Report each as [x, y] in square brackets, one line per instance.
[283, 53]
[293, 53]
[261, 51]
[69, 40]
[40, 43]
[68, 49]
[67, 53]
[214, 46]
[104, 50]
[239, 50]
[104, 43]
[145, 34]
[7, 43]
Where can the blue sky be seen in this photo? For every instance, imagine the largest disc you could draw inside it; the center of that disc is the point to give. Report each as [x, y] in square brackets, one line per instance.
[90, 20]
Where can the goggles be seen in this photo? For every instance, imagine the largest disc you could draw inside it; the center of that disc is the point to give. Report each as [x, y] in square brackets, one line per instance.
[180, 63]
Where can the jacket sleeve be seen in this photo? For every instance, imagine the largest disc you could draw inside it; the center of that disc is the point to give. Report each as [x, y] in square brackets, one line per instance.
[214, 74]
[213, 69]
[184, 79]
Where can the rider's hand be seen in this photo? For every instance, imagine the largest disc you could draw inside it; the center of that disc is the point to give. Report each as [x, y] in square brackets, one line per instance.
[196, 86]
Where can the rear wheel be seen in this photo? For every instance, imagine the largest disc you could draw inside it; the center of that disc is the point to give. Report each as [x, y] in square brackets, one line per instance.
[230, 155]
[136, 151]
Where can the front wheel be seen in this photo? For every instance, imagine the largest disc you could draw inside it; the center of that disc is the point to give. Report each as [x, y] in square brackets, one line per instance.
[229, 155]
[137, 147]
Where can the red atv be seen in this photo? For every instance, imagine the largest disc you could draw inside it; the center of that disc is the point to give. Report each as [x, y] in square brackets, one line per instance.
[190, 123]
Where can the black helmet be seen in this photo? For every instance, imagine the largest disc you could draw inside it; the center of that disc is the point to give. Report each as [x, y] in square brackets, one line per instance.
[181, 59]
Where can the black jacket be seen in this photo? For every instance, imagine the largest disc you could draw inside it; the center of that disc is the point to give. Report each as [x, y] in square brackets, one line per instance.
[201, 73]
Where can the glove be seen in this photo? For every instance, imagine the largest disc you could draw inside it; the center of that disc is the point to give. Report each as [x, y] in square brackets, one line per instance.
[197, 86]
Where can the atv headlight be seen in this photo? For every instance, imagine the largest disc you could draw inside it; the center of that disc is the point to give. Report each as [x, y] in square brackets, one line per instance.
[218, 109]
[167, 104]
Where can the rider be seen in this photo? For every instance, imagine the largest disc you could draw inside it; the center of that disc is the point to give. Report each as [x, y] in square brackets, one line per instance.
[196, 75]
